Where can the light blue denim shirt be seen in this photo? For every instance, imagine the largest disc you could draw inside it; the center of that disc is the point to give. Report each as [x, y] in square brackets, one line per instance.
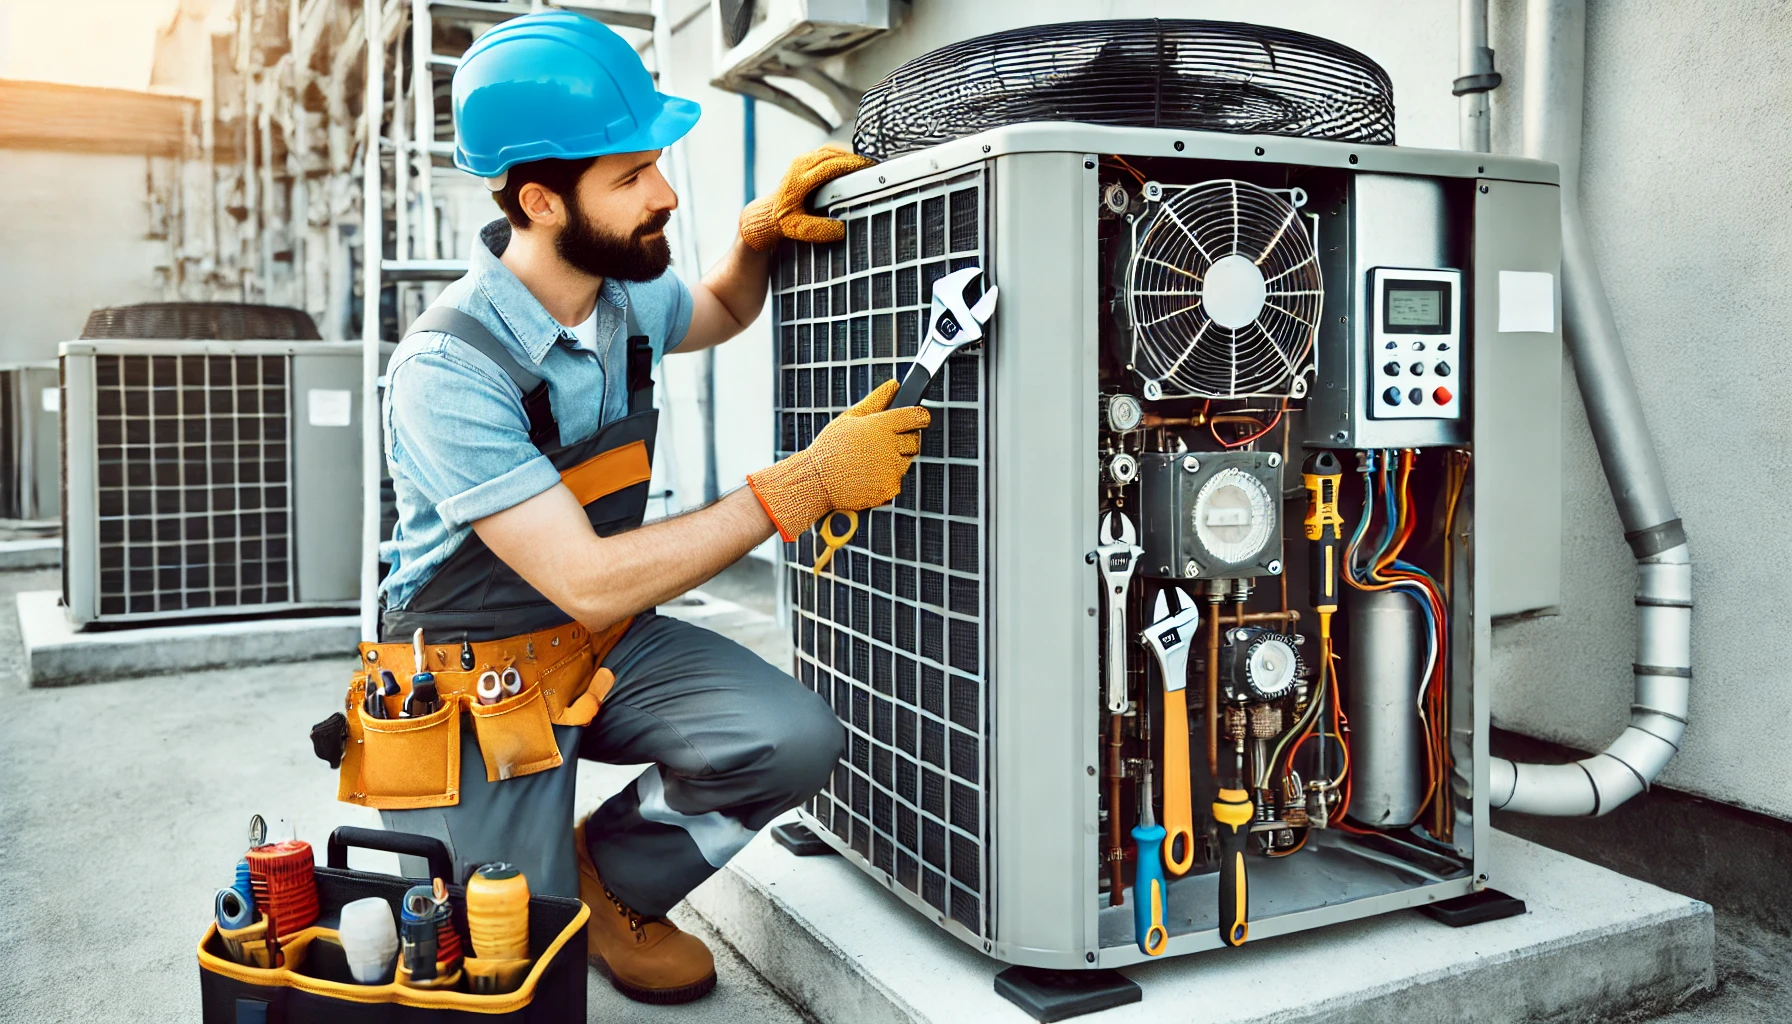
[457, 439]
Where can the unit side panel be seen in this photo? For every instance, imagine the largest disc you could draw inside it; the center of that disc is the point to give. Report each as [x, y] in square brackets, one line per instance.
[326, 494]
[1045, 639]
[1517, 390]
[80, 524]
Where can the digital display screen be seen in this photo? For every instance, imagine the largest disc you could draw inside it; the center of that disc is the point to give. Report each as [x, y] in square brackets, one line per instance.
[1415, 307]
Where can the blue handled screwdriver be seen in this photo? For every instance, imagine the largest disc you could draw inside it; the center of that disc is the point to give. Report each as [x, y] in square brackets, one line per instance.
[422, 698]
[1148, 892]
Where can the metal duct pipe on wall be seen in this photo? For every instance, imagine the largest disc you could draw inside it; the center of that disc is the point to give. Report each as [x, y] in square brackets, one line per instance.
[1555, 77]
[1477, 79]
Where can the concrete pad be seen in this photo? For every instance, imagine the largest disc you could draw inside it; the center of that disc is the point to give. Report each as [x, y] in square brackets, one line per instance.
[56, 655]
[1594, 944]
[31, 553]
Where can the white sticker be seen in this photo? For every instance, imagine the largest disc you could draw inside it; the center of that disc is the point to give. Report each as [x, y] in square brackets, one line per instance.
[1527, 302]
[52, 399]
[326, 408]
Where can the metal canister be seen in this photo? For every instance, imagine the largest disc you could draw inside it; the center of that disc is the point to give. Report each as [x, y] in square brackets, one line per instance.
[1381, 691]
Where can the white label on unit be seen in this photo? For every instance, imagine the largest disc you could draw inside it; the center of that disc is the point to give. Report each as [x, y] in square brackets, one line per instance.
[328, 408]
[52, 399]
[1527, 302]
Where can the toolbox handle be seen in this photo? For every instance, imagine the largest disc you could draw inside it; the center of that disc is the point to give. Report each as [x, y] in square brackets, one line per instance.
[407, 843]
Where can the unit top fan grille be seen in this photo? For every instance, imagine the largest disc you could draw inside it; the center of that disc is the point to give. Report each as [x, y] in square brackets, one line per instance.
[1223, 291]
[1143, 73]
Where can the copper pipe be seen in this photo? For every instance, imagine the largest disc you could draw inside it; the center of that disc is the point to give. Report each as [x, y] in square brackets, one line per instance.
[1116, 892]
[1291, 616]
[1212, 711]
[1154, 420]
[1236, 418]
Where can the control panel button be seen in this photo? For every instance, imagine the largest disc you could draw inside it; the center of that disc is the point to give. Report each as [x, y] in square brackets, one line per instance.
[1418, 346]
[1392, 396]
[1416, 395]
[1443, 369]
[1392, 369]
[1442, 396]
[1393, 344]
[1443, 346]
[1418, 369]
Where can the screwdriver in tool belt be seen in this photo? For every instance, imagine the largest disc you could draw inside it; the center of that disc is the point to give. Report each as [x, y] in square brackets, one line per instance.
[422, 698]
[1149, 896]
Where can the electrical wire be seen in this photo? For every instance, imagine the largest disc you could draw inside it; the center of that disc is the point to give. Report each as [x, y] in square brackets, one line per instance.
[1213, 428]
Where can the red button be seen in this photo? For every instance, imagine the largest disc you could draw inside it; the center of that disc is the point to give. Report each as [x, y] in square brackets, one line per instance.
[1442, 396]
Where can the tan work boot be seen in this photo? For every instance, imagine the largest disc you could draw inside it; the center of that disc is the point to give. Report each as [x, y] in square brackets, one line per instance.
[649, 959]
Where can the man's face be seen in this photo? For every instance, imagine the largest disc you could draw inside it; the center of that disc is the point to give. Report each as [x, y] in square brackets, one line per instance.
[616, 219]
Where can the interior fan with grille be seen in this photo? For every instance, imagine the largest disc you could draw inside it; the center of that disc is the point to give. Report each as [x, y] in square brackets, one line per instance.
[1222, 292]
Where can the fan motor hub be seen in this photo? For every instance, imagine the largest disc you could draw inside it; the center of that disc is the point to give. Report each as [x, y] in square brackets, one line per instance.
[1233, 291]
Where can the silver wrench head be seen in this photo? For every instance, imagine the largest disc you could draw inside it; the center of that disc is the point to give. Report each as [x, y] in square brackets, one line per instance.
[1127, 535]
[954, 321]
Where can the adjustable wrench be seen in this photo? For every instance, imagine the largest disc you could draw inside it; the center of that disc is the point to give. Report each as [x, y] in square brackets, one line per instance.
[1168, 637]
[954, 324]
[1117, 557]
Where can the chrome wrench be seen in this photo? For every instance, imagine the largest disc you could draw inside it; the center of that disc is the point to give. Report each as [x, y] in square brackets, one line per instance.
[1168, 637]
[953, 325]
[1117, 557]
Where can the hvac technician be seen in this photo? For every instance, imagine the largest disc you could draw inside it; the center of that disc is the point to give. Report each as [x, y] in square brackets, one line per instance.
[518, 432]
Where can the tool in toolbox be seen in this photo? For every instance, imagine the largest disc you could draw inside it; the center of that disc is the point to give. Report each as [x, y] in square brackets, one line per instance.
[954, 323]
[422, 699]
[1116, 558]
[495, 686]
[1150, 896]
[368, 938]
[1168, 636]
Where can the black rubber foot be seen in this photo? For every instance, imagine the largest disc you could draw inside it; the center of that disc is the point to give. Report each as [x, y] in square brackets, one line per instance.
[797, 838]
[1475, 908]
[1049, 995]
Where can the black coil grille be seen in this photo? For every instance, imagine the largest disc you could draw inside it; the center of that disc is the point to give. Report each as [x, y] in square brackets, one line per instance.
[208, 321]
[1142, 73]
[892, 634]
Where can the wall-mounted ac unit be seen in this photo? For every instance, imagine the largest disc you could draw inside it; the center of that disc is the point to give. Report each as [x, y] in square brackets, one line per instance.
[210, 478]
[759, 42]
[29, 404]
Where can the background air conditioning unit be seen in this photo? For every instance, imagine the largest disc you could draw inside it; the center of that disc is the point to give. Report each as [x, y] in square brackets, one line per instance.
[29, 404]
[1187, 317]
[761, 46]
[210, 478]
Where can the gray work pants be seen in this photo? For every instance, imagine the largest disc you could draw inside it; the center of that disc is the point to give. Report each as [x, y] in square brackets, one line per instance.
[733, 743]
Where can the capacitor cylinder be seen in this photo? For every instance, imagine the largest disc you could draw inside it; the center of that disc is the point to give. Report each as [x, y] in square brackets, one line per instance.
[1381, 683]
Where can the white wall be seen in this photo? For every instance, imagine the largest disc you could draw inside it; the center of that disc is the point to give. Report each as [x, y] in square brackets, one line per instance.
[1688, 141]
[76, 236]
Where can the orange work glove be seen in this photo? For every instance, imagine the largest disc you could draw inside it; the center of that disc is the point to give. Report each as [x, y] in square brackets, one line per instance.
[780, 214]
[857, 462]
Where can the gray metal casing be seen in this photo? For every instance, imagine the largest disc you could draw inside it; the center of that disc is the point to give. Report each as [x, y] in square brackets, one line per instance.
[323, 492]
[32, 489]
[1041, 639]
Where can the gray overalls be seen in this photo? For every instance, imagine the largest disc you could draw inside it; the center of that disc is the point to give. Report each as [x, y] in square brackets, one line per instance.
[733, 741]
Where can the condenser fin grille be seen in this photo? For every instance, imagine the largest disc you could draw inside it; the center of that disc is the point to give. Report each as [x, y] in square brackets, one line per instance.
[892, 635]
[192, 467]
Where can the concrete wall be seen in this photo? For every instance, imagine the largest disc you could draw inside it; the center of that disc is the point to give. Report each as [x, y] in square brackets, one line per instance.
[77, 229]
[1687, 141]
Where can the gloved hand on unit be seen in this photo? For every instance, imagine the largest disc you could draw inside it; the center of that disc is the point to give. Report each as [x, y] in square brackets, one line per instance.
[856, 462]
[781, 214]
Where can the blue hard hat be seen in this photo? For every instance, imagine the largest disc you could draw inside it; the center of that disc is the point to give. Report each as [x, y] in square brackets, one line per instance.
[557, 85]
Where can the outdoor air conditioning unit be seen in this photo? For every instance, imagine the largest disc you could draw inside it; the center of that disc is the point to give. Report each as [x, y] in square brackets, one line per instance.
[1195, 300]
[761, 46]
[210, 478]
[28, 414]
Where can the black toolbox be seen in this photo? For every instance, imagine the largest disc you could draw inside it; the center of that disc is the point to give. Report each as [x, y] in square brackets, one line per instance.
[315, 987]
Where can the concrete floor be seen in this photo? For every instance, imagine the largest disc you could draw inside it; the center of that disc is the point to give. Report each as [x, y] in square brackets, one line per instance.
[123, 806]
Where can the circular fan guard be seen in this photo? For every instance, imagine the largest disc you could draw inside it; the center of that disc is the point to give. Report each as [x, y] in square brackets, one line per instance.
[1201, 332]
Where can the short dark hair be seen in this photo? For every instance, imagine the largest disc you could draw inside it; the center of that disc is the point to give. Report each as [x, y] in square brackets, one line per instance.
[560, 177]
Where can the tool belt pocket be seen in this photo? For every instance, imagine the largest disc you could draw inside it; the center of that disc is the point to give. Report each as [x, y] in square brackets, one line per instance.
[398, 763]
[516, 735]
[566, 689]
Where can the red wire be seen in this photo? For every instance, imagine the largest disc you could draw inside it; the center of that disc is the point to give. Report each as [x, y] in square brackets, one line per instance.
[1258, 434]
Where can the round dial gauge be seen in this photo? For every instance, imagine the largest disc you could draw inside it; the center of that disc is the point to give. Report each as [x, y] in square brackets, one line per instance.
[1270, 667]
[1232, 516]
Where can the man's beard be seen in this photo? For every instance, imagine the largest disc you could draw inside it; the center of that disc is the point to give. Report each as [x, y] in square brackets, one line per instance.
[597, 252]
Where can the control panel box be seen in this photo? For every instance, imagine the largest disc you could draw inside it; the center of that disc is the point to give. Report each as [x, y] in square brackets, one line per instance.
[1415, 349]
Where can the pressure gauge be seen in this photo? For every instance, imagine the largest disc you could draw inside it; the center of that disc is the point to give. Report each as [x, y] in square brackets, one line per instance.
[1124, 413]
[1259, 665]
[1123, 469]
[1234, 515]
